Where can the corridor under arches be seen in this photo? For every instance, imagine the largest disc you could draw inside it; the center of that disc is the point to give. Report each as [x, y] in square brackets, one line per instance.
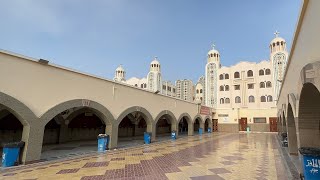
[72, 132]
[309, 116]
[183, 126]
[10, 128]
[164, 126]
[131, 129]
[196, 125]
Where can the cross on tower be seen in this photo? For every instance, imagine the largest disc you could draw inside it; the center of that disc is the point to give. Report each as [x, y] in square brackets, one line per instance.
[277, 33]
[213, 45]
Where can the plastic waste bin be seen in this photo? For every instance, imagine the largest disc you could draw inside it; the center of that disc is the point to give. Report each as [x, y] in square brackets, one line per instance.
[173, 135]
[103, 141]
[284, 139]
[200, 131]
[311, 162]
[147, 137]
[209, 130]
[11, 152]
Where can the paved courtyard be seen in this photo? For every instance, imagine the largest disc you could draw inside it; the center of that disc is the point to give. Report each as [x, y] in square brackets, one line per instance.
[211, 156]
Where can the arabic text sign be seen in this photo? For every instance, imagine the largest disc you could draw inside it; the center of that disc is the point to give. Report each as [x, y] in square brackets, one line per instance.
[205, 110]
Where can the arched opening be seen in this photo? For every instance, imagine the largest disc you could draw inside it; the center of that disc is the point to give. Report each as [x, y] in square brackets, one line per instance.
[237, 99]
[309, 116]
[236, 75]
[292, 134]
[183, 126]
[196, 125]
[207, 124]
[227, 101]
[227, 87]
[10, 128]
[261, 72]
[164, 125]
[72, 132]
[250, 73]
[131, 129]
[251, 99]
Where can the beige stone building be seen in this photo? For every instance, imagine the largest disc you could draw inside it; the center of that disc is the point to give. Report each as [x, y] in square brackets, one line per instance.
[243, 95]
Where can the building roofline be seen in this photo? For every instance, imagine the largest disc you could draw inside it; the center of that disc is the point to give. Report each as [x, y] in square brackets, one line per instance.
[33, 60]
[295, 37]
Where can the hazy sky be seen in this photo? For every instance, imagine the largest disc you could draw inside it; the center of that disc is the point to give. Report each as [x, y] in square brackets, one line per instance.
[96, 36]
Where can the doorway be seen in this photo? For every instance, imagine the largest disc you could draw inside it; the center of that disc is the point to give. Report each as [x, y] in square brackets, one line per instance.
[243, 124]
[273, 124]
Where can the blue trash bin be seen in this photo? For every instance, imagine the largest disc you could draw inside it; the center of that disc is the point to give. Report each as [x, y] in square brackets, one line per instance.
[103, 141]
[200, 131]
[147, 137]
[11, 152]
[311, 162]
[173, 135]
[209, 130]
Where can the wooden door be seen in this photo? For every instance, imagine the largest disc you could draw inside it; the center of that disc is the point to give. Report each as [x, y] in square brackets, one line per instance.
[243, 124]
[273, 124]
[215, 125]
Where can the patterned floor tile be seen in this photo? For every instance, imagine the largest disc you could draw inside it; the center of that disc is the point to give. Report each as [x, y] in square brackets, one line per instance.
[212, 156]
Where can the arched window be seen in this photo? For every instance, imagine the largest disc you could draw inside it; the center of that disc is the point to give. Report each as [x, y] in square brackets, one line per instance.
[263, 99]
[226, 76]
[262, 85]
[200, 90]
[268, 72]
[201, 98]
[197, 91]
[227, 88]
[251, 99]
[236, 75]
[238, 99]
[221, 101]
[261, 72]
[221, 77]
[227, 101]
[269, 98]
[268, 85]
[250, 73]
[221, 88]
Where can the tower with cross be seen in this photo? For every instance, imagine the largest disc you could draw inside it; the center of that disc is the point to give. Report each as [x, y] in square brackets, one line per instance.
[212, 66]
[278, 58]
[154, 78]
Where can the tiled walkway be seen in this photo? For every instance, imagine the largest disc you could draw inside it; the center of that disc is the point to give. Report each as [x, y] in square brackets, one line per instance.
[212, 156]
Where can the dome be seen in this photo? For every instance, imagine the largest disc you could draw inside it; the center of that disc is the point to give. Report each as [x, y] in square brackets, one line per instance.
[155, 61]
[120, 68]
[277, 39]
[213, 50]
